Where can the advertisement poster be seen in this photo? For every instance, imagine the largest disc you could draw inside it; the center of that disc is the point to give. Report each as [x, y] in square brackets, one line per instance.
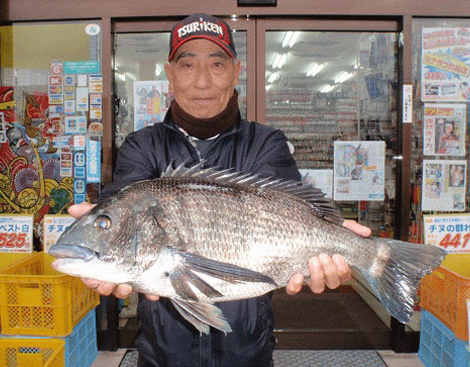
[320, 178]
[444, 185]
[451, 232]
[359, 168]
[16, 233]
[444, 129]
[445, 64]
[54, 226]
[151, 101]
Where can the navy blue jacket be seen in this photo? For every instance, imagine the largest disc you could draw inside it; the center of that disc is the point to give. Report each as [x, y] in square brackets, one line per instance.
[164, 338]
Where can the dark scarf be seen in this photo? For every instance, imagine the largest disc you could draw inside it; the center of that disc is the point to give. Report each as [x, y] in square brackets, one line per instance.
[206, 128]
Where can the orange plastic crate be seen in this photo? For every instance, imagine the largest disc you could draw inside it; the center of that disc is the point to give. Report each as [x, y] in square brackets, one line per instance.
[36, 352]
[445, 291]
[38, 300]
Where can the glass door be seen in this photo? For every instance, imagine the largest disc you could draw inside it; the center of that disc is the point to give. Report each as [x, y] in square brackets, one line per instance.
[332, 87]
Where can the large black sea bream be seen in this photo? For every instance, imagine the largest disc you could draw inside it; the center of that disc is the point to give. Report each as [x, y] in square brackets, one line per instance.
[200, 236]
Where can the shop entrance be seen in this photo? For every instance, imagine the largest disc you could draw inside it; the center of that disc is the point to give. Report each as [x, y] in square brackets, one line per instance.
[331, 86]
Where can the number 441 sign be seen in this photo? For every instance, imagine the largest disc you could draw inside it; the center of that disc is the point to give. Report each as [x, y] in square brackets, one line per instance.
[451, 232]
[16, 233]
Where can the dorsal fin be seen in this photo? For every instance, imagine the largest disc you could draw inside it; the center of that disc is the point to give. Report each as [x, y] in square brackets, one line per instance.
[322, 206]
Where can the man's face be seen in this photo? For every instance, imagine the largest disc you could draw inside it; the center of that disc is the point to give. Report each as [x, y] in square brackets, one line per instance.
[202, 76]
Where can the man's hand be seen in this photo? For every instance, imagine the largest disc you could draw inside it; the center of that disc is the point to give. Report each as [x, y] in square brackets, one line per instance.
[326, 271]
[103, 288]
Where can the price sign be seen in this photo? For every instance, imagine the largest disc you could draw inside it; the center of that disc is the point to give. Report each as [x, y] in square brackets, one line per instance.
[54, 226]
[451, 232]
[16, 233]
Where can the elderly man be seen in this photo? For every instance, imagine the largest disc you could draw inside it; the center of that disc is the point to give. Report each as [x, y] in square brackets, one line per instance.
[204, 123]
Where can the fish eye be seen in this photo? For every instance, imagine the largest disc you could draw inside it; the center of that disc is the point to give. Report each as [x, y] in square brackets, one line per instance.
[102, 222]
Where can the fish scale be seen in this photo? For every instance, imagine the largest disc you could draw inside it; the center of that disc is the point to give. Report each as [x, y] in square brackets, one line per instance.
[200, 236]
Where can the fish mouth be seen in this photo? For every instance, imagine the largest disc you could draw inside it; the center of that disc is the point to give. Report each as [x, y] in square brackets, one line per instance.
[72, 252]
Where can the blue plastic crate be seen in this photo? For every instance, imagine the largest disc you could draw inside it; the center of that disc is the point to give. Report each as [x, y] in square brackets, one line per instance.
[81, 347]
[438, 346]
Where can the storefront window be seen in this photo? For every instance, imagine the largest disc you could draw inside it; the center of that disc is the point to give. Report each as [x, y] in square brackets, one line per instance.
[50, 117]
[334, 95]
[439, 152]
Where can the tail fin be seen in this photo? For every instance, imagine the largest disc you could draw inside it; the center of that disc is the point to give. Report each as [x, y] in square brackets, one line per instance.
[395, 277]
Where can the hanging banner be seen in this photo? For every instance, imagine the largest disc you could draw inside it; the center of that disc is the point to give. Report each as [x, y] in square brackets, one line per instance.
[445, 64]
[54, 226]
[444, 185]
[449, 231]
[16, 233]
[444, 129]
[359, 170]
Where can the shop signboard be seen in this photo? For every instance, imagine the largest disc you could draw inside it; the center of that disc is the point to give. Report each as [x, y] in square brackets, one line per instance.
[81, 67]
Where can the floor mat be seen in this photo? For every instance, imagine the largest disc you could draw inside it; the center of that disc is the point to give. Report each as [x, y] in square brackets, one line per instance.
[304, 358]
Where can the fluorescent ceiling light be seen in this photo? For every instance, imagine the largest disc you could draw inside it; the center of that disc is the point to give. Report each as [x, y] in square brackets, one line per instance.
[287, 38]
[315, 69]
[279, 60]
[290, 38]
[158, 70]
[273, 77]
[343, 77]
[327, 88]
[122, 77]
[294, 38]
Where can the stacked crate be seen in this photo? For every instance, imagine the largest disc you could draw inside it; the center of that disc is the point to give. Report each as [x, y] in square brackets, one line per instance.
[47, 318]
[444, 323]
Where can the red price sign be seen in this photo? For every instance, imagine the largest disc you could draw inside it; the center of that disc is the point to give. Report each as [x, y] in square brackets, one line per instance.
[13, 240]
[16, 233]
[456, 241]
[449, 231]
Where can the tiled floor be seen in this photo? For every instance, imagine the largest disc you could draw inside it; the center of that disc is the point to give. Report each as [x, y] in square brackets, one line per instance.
[392, 359]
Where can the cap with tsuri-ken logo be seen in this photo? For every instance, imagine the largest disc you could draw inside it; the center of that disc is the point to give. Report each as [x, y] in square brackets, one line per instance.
[202, 26]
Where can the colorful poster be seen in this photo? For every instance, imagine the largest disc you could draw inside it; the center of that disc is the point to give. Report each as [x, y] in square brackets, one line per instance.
[320, 178]
[450, 231]
[16, 233]
[54, 226]
[445, 64]
[151, 101]
[444, 185]
[444, 129]
[359, 170]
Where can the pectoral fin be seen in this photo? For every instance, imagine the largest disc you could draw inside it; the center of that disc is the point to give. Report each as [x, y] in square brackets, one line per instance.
[180, 279]
[227, 272]
[202, 315]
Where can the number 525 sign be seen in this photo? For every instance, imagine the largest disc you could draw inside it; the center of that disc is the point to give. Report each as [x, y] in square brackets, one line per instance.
[16, 233]
[451, 232]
